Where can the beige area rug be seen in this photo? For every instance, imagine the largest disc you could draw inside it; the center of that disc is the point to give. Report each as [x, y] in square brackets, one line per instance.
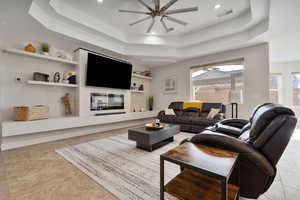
[127, 172]
[133, 174]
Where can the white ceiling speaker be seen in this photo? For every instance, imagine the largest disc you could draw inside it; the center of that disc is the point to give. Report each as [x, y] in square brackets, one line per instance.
[162, 12]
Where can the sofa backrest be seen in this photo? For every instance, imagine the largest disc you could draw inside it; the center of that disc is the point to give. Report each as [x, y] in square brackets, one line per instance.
[208, 106]
[179, 111]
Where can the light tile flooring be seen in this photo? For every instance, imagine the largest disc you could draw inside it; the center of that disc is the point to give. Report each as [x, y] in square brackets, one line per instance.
[38, 173]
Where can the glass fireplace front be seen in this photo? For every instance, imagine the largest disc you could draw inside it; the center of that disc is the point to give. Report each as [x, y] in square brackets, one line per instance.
[104, 101]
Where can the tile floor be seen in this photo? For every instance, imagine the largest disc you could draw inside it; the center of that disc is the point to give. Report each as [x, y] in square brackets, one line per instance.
[38, 173]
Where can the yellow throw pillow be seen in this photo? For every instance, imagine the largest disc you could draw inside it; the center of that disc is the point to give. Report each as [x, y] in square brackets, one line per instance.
[192, 105]
[212, 113]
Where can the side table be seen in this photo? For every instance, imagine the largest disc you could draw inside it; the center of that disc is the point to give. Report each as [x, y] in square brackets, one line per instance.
[205, 175]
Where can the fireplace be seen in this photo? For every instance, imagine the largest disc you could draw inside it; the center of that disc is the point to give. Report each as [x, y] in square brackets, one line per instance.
[107, 102]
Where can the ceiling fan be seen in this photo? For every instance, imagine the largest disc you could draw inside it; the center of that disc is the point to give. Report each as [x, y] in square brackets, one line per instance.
[162, 12]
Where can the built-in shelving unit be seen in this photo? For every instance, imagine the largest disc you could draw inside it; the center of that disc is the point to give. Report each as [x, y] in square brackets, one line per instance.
[141, 76]
[37, 55]
[14, 128]
[30, 82]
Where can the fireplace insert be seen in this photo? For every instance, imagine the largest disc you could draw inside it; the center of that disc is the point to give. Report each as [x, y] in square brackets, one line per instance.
[104, 101]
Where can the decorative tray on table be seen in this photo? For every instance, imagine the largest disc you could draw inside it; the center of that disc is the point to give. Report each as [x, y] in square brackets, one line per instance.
[154, 126]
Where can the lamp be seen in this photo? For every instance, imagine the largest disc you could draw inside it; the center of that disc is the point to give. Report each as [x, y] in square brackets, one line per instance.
[235, 98]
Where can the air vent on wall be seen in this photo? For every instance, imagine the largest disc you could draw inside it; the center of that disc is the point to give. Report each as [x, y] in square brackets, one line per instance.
[223, 14]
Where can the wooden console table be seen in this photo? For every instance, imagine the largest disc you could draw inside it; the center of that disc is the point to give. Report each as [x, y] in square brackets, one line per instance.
[205, 175]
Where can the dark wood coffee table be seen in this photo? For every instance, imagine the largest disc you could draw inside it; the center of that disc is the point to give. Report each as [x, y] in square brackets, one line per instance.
[152, 139]
[205, 175]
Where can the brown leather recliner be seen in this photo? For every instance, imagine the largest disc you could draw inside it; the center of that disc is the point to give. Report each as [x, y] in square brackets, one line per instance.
[260, 141]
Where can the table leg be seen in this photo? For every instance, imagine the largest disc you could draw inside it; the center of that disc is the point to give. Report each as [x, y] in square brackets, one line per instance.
[162, 178]
[224, 189]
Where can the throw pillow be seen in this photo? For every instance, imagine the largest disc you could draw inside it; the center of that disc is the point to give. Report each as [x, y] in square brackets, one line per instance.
[169, 112]
[212, 113]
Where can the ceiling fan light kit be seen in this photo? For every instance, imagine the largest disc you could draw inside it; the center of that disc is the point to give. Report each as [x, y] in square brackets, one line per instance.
[162, 12]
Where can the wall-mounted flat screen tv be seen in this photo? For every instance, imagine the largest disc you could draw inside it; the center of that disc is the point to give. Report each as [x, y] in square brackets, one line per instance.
[107, 72]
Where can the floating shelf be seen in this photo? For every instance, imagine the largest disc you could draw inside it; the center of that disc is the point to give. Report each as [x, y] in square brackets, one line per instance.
[37, 55]
[136, 91]
[51, 84]
[141, 76]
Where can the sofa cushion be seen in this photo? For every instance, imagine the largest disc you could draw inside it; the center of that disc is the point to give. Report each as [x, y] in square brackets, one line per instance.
[212, 113]
[168, 119]
[176, 105]
[228, 129]
[203, 114]
[178, 113]
[208, 106]
[169, 112]
[191, 112]
[194, 121]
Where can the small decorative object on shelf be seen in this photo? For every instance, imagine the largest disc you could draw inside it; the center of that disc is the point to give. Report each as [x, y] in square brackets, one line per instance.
[30, 48]
[37, 76]
[70, 77]
[146, 73]
[67, 104]
[56, 77]
[30, 113]
[150, 103]
[45, 49]
[141, 88]
[133, 87]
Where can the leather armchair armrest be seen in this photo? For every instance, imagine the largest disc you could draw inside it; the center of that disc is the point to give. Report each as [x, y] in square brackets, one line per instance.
[238, 123]
[245, 150]
[160, 114]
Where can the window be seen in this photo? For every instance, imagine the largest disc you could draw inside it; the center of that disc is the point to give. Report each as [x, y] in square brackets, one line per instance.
[218, 83]
[296, 88]
[275, 85]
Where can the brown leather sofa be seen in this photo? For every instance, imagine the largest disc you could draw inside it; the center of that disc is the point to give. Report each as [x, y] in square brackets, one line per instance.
[260, 141]
[192, 119]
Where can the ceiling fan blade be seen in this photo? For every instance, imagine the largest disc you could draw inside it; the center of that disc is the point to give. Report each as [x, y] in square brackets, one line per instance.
[176, 20]
[135, 12]
[168, 5]
[151, 25]
[157, 5]
[141, 20]
[184, 10]
[144, 4]
[165, 26]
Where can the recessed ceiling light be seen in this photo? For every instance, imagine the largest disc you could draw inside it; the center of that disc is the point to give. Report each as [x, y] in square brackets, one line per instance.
[153, 33]
[100, 1]
[218, 6]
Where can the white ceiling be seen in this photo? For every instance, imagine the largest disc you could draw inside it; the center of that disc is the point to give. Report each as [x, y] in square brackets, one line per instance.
[273, 21]
[207, 15]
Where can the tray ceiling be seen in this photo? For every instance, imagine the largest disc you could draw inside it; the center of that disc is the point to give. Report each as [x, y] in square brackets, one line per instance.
[207, 15]
[100, 24]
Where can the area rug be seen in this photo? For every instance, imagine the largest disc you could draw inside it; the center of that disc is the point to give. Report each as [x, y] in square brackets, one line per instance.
[133, 174]
[127, 172]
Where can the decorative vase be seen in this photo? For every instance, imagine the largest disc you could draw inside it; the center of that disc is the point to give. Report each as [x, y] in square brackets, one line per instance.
[30, 48]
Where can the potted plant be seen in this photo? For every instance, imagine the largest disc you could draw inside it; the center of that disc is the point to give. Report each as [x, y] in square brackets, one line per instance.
[45, 48]
[150, 103]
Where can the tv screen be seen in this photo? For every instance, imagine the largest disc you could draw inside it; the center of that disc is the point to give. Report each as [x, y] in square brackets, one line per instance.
[106, 72]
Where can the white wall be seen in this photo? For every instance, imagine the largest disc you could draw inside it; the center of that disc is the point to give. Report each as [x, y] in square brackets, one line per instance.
[286, 69]
[17, 30]
[256, 77]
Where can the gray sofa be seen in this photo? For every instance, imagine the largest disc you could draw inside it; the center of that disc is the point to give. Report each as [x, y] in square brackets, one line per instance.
[192, 119]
